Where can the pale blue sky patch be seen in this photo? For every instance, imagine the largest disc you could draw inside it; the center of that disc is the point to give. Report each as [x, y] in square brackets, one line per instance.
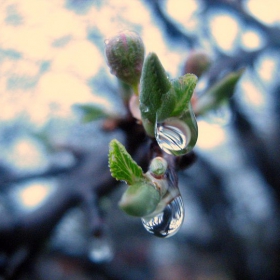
[79, 6]
[21, 82]
[13, 17]
[10, 54]
[61, 42]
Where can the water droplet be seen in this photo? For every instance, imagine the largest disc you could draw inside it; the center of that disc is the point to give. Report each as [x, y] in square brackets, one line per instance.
[144, 108]
[100, 250]
[168, 221]
[177, 135]
[172, 139]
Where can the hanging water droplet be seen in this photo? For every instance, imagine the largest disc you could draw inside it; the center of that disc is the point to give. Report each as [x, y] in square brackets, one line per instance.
[168, 221]
[100, 250]
[177, 135]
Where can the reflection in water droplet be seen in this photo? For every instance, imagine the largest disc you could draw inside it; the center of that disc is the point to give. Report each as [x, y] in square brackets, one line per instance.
[173, 139]
[100, 250]
[177, 135]
[145, 109]
[168, 221]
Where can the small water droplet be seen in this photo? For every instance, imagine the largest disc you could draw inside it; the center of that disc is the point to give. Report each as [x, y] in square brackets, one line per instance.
[173, 136]
[168, 221]
[145, 109]
[100, 250]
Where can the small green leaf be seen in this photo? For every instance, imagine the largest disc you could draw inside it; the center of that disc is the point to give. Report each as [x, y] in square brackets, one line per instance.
[140, 199]
[226, 87]
[153, 85]
[218, 93]
[91, 112]
[121, 164]
[184, 87]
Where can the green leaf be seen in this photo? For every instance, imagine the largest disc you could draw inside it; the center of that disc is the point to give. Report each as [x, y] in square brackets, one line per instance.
[121, 164]
[91, 112]
[168, 103]
[220, 92]
[225, 88]
[184, 87]
[153, 85]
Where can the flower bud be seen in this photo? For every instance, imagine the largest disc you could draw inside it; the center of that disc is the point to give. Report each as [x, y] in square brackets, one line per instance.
[125, 56]
[197, 63]
[140, 199]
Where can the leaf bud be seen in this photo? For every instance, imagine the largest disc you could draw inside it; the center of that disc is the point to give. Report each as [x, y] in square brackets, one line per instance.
[158, 167]
[140, 199]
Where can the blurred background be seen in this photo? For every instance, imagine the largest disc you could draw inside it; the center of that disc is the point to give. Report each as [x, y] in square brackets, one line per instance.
[59, 217]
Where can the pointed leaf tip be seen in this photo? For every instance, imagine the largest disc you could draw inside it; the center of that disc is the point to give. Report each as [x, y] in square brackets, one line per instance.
[154, 84]
[183, 87]
[121, 164]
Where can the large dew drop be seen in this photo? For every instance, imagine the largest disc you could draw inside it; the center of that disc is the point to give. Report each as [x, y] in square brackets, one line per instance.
[176, 136]
[172, 139]
[168, 221]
